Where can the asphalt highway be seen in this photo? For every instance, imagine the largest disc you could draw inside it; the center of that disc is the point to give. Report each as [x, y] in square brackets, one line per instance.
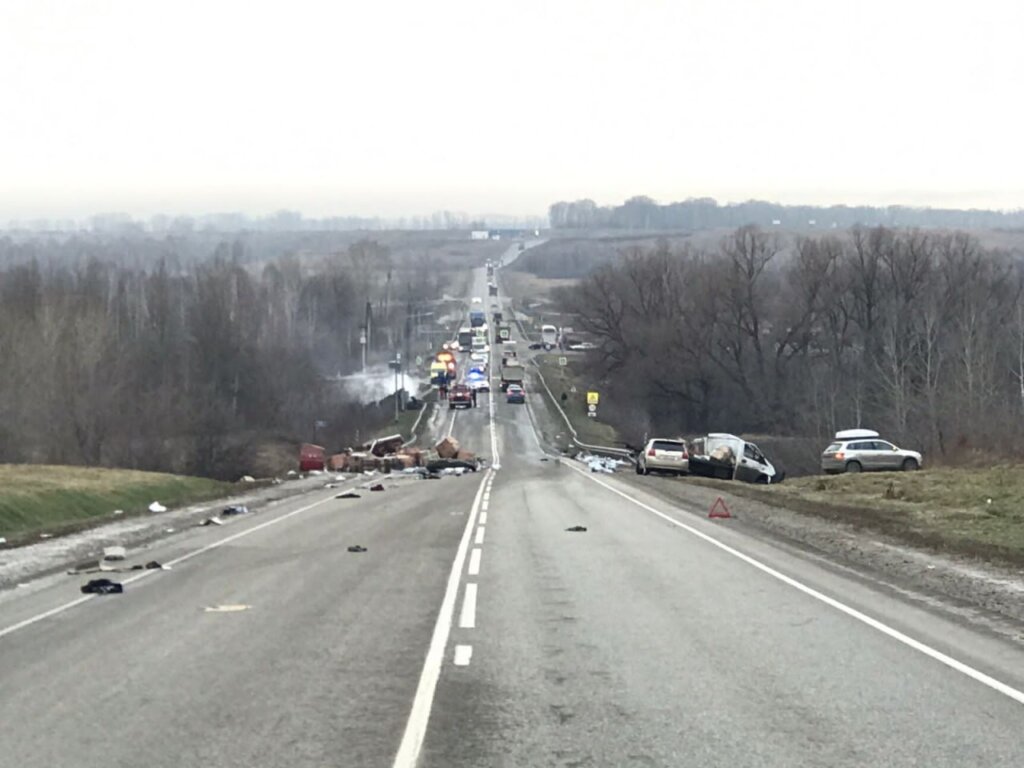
[476, 630]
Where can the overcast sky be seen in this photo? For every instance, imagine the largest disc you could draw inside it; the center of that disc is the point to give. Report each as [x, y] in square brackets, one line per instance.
[394, 108]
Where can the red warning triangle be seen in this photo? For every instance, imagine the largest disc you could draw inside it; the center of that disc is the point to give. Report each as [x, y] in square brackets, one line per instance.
[719, 509]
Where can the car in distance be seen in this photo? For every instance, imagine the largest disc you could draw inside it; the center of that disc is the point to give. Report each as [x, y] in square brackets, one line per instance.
[515, 393]
[861, 450]
[460, 396]
[663, 455]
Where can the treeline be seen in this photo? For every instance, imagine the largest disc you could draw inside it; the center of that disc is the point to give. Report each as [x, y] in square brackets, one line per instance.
[178, 367]
[918, 335]
[643, 213]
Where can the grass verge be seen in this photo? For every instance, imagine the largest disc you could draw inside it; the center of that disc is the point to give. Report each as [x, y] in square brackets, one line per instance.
[973, 512]
[36, 498]
[560, 378]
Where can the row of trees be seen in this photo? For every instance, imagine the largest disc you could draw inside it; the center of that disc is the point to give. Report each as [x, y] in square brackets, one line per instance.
[918, 335]
[177, 367]
[643, 213]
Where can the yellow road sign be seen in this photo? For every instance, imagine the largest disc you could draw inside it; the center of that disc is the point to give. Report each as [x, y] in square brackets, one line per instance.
[593, 398]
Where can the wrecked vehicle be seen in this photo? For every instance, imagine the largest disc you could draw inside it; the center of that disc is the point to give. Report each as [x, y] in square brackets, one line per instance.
[727, 457]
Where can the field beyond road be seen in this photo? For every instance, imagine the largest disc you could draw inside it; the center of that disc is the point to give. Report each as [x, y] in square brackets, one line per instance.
[36, 498]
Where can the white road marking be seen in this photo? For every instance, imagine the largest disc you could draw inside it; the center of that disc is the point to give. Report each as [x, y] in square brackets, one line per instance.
[423, 701]
[474, 562]
[187, 556]
[230, 608]
[485, 505]
[885, 629]
[467, 619]
[483, 518]
[480, 535]
[463, 653]
[487, 496]
[451, 426]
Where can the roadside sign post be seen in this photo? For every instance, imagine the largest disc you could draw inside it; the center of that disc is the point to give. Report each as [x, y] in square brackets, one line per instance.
[563, 361]
[593, 398]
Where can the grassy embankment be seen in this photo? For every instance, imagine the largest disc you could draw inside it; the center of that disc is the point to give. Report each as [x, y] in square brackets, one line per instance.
[973, 512]
[55, 499]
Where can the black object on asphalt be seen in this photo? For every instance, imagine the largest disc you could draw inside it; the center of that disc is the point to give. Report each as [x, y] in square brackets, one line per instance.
[577, 529]
[349, 495]
[235, 511]
[377, 487]
[356, 548]
[102, 587]
[436, 464]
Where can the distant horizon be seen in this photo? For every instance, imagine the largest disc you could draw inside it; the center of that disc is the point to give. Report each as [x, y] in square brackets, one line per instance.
[464, 218]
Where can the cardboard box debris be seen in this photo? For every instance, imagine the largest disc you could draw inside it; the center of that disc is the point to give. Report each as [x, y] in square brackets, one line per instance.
[448, 448]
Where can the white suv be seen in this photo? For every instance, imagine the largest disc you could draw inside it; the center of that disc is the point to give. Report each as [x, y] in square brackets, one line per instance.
[663, 455]
[860, 450]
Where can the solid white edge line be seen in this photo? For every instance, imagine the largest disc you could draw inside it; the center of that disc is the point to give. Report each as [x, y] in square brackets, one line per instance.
[474, 562]
[187, 556]
[451, 427]
[480, 535]
[423, 700]
[463, 654]
[467, 618]
[895, 634]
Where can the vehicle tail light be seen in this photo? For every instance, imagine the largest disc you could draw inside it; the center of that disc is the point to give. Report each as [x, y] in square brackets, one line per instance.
[839, 455]
[651, 452]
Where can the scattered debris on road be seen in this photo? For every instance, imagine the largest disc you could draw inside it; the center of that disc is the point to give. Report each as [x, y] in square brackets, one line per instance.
[235, 510]
[114, 553]
[118, 512]
[102, 587]
[357, 548]
[603, 464]
[577, 529]
[377, 487]
[447, 448]
[348, 495]
[156, 506]
[210, 521]
[229, 608]
[247, 479]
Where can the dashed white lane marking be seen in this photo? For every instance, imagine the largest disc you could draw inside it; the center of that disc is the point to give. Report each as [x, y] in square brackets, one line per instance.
[187, 556]
[467, 619]
[463, 653]
[485, 506]
[487, 496]
[483, 518]
[474, 562]
[479, 535]
[423, 701]
[885, 629]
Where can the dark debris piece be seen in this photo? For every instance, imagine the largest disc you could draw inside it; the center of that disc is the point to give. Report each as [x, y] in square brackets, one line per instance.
[349, 495]
[356, 548]
[103, 587]
[577, 529]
